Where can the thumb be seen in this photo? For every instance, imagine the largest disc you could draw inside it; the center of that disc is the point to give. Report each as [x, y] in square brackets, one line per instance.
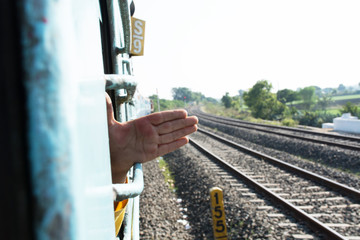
[109, 110]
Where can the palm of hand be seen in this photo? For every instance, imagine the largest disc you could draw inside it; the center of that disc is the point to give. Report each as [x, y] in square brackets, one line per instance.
[146, 138]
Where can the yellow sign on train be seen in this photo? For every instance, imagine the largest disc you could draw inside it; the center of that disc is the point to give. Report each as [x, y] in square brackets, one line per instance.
[137, 37]
[218, 213]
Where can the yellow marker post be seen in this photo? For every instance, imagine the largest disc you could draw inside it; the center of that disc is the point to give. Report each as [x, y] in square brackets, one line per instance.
[218, 213]
[137, 36]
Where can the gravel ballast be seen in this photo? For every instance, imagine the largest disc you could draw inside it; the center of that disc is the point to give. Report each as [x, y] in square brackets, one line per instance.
[160, 211]
[185, 214]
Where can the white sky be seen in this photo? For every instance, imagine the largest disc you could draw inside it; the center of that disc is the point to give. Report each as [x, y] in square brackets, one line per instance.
[219, 46]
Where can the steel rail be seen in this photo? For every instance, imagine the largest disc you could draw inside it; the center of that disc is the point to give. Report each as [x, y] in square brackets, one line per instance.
[312, 223]
[347, 146]
[350, 138]
[310, 175]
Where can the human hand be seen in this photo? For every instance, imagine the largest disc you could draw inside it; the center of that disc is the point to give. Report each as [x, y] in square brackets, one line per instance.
[145, 138]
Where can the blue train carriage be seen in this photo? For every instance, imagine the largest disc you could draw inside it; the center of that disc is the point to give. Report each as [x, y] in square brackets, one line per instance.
[57, 59]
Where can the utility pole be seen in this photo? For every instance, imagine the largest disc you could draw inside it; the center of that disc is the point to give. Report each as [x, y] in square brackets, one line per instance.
[158, 101]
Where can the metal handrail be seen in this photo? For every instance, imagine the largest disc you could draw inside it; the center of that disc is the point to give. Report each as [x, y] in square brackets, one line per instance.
[133, 189]
[117, 81]
[124, 86]
[124, 191]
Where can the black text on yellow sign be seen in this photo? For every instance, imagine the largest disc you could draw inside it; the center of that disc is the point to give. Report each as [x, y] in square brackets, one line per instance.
[218, 213]
[137, 36]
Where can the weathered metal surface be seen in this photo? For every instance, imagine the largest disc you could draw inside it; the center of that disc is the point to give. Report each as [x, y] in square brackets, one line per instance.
[124, 92]
[114, 81]
[125, 18]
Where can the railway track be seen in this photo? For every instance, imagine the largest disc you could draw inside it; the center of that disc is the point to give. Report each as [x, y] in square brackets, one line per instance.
[342, 141]
[325, 206]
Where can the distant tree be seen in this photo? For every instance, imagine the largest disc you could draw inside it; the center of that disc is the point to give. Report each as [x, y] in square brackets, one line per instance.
[260, 91]
[197, 97]
[186, 95]
[262, 103]
[316, 88]
[309, 119]
[241, 99]
[318, 91]
[231, 102]
[341, 88]
[308, 96]
[226, 100]
[166, 104]
[241, 92]
[287, 95]
[328, 90]
[325, 101]
[182, 93]
[350, 108]
[153, 97]
[350, 90]
[236, 102]
[211, 100]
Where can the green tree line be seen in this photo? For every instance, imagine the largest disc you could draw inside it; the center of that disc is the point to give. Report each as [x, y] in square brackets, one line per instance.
[306, 106]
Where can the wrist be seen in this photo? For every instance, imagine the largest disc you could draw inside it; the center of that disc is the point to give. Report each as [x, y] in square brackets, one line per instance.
[119, 177]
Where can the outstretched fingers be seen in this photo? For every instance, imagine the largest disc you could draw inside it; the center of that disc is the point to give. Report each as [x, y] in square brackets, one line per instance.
[178, 134]
[169, 147]
[165, 116]
[171, 126]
